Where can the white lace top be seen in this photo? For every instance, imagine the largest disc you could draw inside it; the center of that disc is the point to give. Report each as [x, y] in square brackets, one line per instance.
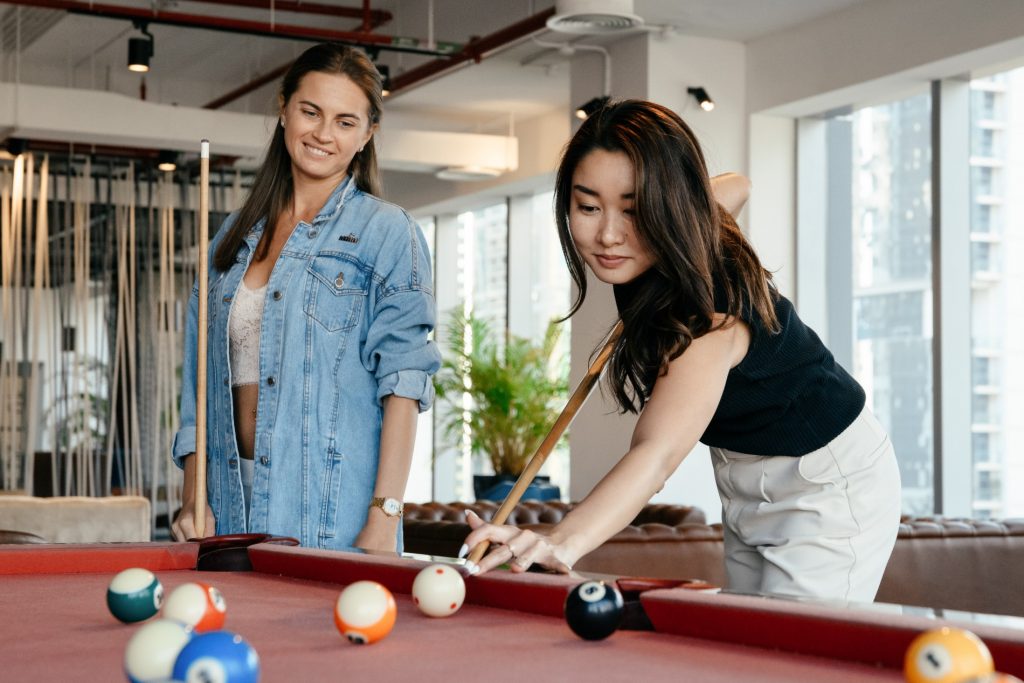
[244, 334]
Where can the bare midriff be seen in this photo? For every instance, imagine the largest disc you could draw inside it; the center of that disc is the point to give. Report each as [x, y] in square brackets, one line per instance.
[246, 397]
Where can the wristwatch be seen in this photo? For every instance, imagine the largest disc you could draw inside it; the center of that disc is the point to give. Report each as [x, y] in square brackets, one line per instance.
[391, 506]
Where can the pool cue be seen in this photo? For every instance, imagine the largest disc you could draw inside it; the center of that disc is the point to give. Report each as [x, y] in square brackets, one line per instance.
[201, 338]
[575, 402]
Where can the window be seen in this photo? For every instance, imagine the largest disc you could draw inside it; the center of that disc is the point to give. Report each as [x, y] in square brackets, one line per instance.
[996, 306]
[503, 263]
[886, 152]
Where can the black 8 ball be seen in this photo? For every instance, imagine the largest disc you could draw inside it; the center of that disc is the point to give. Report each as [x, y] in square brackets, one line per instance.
[593, 610]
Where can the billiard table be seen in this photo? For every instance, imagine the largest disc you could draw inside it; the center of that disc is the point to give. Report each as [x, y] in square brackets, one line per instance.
[54, 624]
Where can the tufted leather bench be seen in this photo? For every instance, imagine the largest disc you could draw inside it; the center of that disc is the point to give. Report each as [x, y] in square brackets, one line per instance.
[955, 564]
[960, 564]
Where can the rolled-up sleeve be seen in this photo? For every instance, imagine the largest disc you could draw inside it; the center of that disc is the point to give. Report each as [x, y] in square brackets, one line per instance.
[398, 349]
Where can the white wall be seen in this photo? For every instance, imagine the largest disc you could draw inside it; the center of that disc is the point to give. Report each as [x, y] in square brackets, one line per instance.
[872, 47]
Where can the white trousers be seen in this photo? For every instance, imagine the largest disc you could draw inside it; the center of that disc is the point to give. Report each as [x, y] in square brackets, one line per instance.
[821, 525]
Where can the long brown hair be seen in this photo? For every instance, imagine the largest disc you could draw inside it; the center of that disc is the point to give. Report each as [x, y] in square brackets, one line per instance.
[272, 187]
[699, 250]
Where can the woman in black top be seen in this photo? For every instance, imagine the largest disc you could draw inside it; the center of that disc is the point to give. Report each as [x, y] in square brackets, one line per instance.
[710, 351]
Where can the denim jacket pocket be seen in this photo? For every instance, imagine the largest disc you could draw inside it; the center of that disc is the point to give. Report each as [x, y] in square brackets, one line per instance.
[337, 289]
[331, 494]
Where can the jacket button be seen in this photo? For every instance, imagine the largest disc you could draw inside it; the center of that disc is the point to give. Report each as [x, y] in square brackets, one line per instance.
[340, 280]
[227, 299]
[271, 381]
[277, 295]
[233, 463]
[313, 233]
[264, 460]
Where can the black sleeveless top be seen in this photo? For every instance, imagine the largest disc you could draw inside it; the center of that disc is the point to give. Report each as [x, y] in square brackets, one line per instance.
[788, 396]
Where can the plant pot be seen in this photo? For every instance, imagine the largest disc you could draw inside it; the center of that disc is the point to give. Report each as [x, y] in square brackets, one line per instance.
[496, 487]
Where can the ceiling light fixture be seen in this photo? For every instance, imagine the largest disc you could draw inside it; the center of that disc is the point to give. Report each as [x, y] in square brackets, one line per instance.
[594, 16]
[468, 173]
[702, 97]
[590, 106]
[167, 160]
[140, 50]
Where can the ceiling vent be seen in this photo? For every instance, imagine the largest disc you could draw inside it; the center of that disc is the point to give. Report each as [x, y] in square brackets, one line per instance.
[594, 16]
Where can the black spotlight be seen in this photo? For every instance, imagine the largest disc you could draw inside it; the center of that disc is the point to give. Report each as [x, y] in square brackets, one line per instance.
[702, 97]
[588, 108]
[167, 160]
[385, 78]
[140, 50]
[16, 146]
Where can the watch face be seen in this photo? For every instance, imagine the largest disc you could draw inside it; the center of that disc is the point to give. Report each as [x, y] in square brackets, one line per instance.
[392, 506]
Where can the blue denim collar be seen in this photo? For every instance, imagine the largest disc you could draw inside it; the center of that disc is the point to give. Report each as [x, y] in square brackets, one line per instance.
[330, 210]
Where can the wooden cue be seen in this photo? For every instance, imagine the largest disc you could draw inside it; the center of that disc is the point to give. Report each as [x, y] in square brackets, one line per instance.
[201, 338]
[576, 401]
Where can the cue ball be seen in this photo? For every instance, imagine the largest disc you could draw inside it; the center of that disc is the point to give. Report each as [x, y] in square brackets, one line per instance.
[365, 612]
[946, 655]
[134, 595]
[593, 610]
[217, 657]
[438, 590]
[150, 654]
[198, 605]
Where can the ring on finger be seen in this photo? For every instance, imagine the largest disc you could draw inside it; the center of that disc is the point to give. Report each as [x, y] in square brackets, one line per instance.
[514, 556]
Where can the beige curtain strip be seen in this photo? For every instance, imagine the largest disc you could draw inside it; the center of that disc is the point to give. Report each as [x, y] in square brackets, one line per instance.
[40, 284]
[6, 295]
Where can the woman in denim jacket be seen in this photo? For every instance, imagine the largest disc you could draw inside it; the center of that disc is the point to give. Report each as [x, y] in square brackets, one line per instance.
[320, 306]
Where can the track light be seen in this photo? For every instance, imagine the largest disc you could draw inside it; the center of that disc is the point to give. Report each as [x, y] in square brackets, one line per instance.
[702, 97]
[385, 78]
[16, 146]
[589, 107]
[167, 160]
[140, 50]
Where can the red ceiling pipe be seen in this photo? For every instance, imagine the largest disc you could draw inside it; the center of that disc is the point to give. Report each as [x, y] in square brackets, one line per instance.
[248, 87]
[474, 50]
[376, 17]
[217, 23]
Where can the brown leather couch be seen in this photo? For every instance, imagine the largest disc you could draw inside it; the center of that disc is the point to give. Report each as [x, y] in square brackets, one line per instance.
[954, 564]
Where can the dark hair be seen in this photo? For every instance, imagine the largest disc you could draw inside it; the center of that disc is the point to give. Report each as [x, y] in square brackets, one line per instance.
[698, 249]
[272, 187]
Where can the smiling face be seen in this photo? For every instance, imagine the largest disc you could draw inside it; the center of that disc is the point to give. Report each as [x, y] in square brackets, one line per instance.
[601, 217]
[326, 122]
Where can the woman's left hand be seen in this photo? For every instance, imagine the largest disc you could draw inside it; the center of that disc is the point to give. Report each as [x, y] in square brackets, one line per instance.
[379, 534]
[518, 548]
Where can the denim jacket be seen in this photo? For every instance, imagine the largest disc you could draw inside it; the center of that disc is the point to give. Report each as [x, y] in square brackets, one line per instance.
[348, 311]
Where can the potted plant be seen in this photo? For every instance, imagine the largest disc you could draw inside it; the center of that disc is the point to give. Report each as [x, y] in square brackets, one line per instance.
[515, 390]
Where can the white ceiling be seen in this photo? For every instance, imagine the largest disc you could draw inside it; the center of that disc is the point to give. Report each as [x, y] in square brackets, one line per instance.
[193, 66]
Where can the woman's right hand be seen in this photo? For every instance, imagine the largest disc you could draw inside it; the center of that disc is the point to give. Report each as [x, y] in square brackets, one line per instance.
[518, 548]
[184, 526]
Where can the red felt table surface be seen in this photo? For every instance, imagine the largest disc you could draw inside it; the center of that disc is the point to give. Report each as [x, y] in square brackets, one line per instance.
[55, 627]
[58, 629]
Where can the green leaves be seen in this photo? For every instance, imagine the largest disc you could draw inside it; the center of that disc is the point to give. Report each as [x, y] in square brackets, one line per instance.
[506, 390]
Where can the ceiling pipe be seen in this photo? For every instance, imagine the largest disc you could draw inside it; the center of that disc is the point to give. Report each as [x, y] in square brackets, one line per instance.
[475, 50]
[371, 18]
[242, 90]
[243, 26]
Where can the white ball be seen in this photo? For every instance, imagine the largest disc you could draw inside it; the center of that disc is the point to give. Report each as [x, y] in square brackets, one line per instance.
[438, 590]
[152, 650]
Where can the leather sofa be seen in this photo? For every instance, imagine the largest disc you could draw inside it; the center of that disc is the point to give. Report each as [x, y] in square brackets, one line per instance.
[953, 564]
